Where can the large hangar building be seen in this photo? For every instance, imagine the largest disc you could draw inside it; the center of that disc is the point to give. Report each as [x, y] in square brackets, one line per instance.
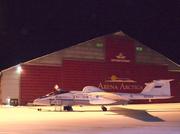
[114, 62]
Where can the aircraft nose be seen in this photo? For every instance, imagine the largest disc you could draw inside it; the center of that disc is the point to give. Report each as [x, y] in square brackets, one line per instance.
[36, 102]
[41, 102]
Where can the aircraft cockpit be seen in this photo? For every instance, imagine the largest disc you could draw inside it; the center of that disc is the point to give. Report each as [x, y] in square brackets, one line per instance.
[55, 93]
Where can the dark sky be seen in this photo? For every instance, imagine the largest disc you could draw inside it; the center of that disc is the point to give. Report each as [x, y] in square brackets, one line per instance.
[32, 28]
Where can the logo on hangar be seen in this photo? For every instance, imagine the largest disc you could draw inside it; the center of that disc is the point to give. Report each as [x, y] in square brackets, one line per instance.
[115, 78]
[120, 58]
[117, 83]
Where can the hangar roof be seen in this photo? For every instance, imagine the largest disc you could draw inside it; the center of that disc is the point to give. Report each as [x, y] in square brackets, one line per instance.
[94, 50]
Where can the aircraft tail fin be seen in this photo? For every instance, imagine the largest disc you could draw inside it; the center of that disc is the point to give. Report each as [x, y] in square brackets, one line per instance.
[158, 88]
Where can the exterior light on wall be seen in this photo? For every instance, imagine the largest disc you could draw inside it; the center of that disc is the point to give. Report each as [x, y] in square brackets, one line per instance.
[99, 45]
[19, 69]
[8, 101]
[56, 87]
[139, 49]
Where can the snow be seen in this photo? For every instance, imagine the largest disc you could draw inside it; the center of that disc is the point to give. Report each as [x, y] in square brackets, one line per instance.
[135, 119]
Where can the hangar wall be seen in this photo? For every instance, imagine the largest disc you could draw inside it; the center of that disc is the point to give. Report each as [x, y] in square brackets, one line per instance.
[113, 62]
[0, 89]
[146, 55]
[119, 49]
[10, 81]
[175, 85]
[75, 74]
[109, 76]
[115, 77]
[108, 62]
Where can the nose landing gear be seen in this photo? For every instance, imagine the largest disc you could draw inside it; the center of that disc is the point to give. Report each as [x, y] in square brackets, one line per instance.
[68, 108]
[103, 108]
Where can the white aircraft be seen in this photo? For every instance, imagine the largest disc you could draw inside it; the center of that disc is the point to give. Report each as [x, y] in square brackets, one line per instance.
[90, 95]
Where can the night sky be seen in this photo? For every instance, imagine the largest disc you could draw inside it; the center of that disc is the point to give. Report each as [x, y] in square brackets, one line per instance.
[29, 29]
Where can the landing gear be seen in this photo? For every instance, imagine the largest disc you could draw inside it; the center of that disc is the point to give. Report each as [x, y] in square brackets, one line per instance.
[68, 108]
[103, 108]
[39, 109]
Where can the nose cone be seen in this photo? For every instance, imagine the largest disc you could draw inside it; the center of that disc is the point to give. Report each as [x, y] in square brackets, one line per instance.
[41, 102]
[36, 102]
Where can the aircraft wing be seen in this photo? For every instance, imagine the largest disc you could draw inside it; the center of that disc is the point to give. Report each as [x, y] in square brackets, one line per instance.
[111, 96]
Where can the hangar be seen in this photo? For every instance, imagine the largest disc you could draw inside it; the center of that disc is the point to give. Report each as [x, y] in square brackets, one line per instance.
[114, 62]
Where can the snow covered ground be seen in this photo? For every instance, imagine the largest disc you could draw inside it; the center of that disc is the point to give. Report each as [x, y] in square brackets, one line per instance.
[135, 119]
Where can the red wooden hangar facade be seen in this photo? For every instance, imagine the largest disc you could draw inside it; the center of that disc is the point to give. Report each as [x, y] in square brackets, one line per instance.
[113, 62]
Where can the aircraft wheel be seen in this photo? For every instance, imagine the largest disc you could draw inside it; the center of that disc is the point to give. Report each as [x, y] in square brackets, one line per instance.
[39, 109]
[65, 108]
[68, 108]
[103, 108]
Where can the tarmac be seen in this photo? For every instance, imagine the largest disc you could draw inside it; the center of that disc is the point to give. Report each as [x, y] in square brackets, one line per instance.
[128, 119]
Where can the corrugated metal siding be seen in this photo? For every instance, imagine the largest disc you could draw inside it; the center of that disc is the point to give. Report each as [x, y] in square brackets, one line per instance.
[0, 89]
[149, 56]
[94, 50]
[90, 50]
[77, 74]
[51, 59]
[10, 84]
[37, 81]
[90, 63]
[175, 85]
[74, 75]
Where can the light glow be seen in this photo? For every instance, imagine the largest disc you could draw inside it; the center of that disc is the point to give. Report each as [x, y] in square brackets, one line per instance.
[19, 69]
[8, 101]
[56, 87]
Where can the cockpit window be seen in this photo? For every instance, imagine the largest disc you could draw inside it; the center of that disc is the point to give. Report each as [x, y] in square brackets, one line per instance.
[61, 92]
[55, 93]
[157, 86]
[52, 93]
